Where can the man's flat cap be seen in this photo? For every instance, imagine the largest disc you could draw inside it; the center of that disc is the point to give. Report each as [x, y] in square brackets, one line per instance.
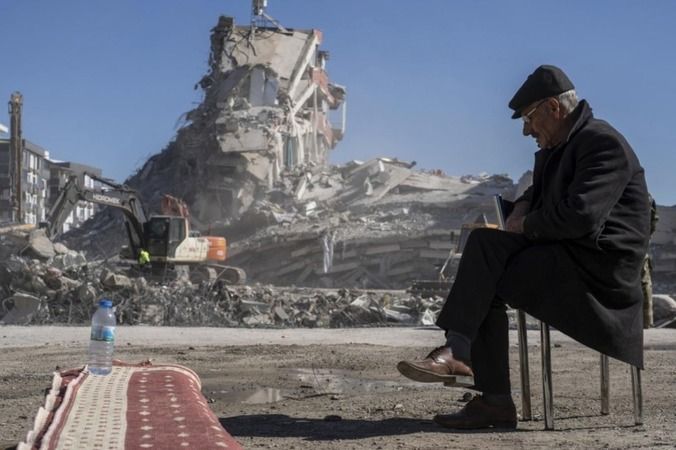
[545, 81]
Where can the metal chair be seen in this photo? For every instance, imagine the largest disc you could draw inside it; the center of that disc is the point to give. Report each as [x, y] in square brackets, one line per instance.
[548, 399]
[502, 210]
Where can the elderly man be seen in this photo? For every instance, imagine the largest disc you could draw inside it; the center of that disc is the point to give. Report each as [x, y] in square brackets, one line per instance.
[571, 255]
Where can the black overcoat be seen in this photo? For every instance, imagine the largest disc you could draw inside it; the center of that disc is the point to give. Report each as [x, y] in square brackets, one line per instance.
[589, 201]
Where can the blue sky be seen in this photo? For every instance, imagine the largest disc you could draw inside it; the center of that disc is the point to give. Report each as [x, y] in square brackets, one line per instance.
[105, 83]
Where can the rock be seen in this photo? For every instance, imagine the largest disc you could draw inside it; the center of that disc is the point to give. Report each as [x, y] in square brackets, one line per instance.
[396, 316]
[140, 285]
[37, 285]
[252, 305]
[60, 249]
[39, 245]
[363, 310]
[52, 277]
[25, 306]
[53, 272]
[258, 319]
[53, 282]
[280, 313]
[152, 315]
[114, 281]
[428, 317]
[70, 284]
[69, 260]
[664, 309]
[87, 294]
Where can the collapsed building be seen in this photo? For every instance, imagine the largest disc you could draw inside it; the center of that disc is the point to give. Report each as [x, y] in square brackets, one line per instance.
[267, 107]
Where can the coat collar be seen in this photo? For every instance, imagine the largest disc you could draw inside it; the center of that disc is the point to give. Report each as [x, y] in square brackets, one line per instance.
[581, 115]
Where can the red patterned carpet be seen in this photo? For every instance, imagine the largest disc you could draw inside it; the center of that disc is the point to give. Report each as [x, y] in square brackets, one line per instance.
[135, 407]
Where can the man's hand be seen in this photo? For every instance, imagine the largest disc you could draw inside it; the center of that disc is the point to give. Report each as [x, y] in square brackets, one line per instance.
[514, 222]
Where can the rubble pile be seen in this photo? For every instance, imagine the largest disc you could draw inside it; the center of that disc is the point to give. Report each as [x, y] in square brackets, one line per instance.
[52, 284]
[378, 224]
[663, 250]
[42, 283]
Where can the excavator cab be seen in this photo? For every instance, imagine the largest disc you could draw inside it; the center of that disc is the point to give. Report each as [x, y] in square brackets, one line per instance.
[164, 234]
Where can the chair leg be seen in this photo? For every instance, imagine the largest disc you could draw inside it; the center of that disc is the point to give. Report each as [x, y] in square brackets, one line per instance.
[545, 349]
[637, 394]
[605, 385]
[523, 365]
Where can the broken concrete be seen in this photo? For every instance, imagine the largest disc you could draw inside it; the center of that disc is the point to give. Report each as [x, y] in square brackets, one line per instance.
[39, 245]
[38, 292]
[664, 310]
[23, 308]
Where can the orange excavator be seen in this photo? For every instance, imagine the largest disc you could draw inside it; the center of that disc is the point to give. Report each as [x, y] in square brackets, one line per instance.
[166, 237]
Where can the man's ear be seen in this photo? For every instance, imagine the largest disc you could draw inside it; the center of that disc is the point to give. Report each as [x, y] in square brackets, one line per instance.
[554, 106]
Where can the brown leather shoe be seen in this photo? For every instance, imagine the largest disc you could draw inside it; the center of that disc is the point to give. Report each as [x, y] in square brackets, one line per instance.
[438, 366]
[478, 414]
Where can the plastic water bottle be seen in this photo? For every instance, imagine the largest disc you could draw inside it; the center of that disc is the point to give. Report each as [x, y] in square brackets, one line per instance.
[102, 342]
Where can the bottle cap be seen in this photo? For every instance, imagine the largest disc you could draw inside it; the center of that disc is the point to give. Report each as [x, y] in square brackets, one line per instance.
[106, 303]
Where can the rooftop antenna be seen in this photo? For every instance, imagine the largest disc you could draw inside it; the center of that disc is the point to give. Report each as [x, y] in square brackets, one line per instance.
[259, 18]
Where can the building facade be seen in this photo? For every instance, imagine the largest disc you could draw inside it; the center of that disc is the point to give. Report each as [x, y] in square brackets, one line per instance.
[41, 180]
[33, 182]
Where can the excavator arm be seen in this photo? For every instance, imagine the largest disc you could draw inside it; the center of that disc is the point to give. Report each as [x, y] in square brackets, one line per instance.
[116, 196]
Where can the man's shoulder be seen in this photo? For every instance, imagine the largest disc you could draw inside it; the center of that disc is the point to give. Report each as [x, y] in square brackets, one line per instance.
[598, 126]
[599, 132]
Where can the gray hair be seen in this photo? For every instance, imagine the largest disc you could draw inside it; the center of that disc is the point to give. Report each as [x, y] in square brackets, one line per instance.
[567, 101]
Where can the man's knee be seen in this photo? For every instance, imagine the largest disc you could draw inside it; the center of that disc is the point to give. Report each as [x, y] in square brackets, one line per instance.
[482, 236]
[492, 238]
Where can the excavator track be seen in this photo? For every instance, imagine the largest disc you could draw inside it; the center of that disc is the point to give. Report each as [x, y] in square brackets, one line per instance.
[197, 273]
[228, 274]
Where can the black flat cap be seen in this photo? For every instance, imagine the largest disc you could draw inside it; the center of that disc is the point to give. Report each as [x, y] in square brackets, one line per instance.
[545, 81]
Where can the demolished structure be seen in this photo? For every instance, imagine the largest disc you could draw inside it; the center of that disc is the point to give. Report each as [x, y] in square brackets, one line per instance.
[267, 98]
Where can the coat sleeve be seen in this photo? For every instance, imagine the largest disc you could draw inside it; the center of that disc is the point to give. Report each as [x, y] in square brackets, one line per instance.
[602, 171]
[526, 196]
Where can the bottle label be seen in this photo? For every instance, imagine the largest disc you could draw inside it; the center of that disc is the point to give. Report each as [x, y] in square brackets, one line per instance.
[104, 334]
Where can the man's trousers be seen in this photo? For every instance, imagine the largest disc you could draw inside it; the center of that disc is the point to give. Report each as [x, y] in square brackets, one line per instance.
[476, 305]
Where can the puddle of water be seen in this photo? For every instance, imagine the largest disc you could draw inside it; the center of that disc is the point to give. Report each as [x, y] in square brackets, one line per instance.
[255, 396]
[319, 381]
[343, 382]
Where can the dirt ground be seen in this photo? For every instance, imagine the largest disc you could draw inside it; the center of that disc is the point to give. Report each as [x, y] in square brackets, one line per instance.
[327, 396]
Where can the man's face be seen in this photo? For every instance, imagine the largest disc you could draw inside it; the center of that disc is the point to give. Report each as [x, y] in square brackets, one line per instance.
[541, 121]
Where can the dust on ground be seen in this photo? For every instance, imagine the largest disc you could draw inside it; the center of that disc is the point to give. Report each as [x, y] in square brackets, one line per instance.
[351, 396]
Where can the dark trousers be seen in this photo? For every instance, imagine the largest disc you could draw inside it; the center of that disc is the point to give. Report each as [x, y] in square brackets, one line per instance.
[476, 305]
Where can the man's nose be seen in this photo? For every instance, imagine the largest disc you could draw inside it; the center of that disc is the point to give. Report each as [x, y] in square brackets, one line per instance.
[526, 129]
